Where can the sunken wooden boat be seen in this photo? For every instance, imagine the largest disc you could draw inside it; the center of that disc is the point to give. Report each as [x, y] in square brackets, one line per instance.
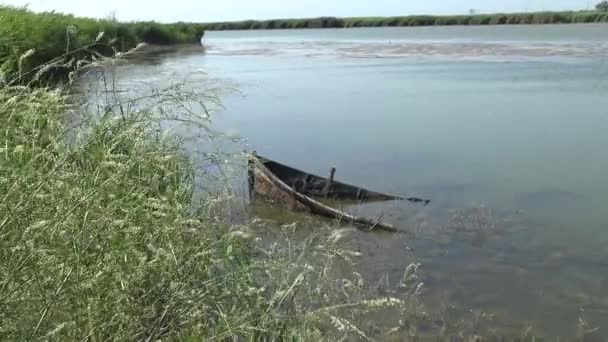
[299, 190]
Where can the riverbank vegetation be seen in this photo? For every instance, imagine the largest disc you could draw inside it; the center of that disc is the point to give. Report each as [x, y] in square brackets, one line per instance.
[570, 17]
[47, 37]
[101, 239]
[103, 235]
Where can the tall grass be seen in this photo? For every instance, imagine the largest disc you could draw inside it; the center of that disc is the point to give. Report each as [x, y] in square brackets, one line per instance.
[103, 238]
[47, 36]
[418, 20]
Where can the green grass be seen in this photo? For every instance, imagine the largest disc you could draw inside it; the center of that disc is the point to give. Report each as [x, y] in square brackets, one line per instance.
[418, 20]
[48, 36]
[103, 236]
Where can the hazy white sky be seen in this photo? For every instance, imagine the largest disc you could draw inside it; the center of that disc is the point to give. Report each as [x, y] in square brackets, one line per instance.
[220, 10]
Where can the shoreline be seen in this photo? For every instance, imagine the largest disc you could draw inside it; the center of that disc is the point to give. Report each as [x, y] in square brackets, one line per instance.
[496, 19]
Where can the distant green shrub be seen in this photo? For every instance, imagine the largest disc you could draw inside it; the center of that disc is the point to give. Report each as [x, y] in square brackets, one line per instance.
[498, 20]
[418, 20]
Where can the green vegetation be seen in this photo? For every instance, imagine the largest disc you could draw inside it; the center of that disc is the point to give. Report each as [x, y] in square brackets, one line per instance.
[602, 6]
[103, 236]
[420, 20]
[47, 37]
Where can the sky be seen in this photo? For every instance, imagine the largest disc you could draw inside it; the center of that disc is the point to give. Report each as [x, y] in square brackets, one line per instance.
[225, 10]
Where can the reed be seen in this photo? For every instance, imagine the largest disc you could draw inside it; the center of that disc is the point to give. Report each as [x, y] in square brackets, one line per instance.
[50, 35]
[569, 17]
[104, 235]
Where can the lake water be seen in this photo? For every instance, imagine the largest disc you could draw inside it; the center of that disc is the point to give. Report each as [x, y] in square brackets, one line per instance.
[504, 128]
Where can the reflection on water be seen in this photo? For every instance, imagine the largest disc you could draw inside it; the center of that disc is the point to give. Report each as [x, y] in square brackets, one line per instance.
[503, 128]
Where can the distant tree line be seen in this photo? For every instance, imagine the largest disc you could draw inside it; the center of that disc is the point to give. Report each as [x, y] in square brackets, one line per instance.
[599, 16]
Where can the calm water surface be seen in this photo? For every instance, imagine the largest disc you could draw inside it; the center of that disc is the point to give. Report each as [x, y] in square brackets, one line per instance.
[504, 128]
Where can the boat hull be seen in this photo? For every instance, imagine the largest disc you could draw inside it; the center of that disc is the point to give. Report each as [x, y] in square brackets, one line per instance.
[270, 181]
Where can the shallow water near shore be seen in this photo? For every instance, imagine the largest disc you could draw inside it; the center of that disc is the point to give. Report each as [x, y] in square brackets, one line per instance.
[503, 128]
